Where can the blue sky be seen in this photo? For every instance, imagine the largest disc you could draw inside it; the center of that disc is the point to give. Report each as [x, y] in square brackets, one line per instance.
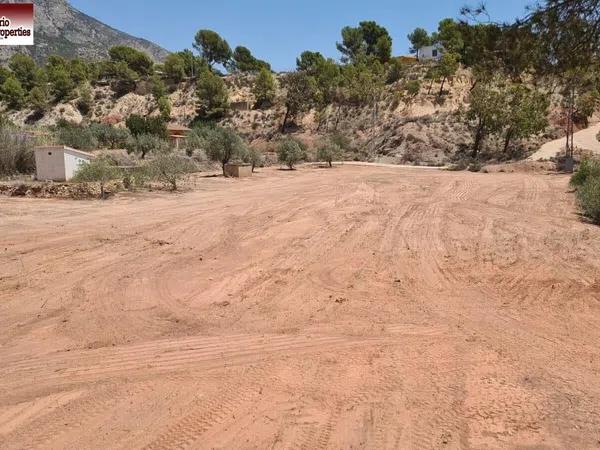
[278, 31]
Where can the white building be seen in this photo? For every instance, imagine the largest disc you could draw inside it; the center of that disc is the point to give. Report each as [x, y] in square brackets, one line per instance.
[431, 53]
[58, 163]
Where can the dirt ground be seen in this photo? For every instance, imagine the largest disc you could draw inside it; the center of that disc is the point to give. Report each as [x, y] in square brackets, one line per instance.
[586, 139]
[359, 307]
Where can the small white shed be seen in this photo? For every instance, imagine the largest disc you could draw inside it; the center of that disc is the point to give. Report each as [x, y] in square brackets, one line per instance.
[58, 163]
[431, 52]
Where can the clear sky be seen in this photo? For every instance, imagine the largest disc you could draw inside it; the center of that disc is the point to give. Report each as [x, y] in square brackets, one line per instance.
[278, 31]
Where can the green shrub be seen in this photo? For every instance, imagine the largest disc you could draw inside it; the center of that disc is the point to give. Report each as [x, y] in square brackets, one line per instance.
[109, 136]
[254, 157]
[175, 67]
[146, 125]
[124, 79]
[587, 169]
[170, 169]
[341, 140]
[164, 106]
[290, 152]
[76, 136]
[264, 88]
[222, 145]
[396, 70]
[588, 196]
[146, 143]
[38, 98]
[13, 93]
[16, 152]
[136, 177]
[135, 60]
[61, 84]
[328, 152]
[99, 170]
[212, 94]
[85, 101]
[159, 89]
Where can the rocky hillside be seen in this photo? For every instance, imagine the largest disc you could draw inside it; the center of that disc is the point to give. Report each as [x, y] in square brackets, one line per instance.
[427, 130]
[62, 30]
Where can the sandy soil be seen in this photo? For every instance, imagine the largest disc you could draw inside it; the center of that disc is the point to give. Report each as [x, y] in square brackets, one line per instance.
[585, 140]
[359, 307]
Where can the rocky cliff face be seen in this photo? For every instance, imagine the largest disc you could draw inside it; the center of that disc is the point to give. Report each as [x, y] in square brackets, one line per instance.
[63, 30]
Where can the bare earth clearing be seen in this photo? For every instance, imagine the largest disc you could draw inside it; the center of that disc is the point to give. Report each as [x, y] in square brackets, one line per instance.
[585, 139]
[359, 307]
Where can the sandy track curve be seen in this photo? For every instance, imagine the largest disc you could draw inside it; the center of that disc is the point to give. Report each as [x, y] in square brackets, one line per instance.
[368, 307]
[585, 139]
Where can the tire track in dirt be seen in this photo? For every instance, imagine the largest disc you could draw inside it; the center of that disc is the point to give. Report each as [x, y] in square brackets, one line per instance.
[74, 415]
[378, 388]
[212, 411]
[451, 332]
[252, 349]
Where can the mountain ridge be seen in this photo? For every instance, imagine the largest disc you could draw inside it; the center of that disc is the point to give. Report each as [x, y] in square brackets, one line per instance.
[61, 29]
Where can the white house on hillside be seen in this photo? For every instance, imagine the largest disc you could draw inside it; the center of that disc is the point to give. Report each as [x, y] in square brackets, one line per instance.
[431, 53]
[58, 163]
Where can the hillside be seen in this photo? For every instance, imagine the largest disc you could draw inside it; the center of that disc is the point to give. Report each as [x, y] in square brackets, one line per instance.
[426, 129]
[63, 30]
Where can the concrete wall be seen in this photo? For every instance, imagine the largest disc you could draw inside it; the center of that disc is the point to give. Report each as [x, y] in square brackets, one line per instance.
[73, 162]
[50, 163]
[238, 170]
[58, 163]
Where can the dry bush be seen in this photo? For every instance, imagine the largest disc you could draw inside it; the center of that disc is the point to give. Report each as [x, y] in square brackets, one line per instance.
[16, 152]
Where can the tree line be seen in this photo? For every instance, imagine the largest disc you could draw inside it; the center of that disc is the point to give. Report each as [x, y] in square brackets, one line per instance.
[515, 69]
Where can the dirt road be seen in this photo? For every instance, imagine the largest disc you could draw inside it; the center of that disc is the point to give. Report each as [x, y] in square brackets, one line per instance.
[585, 140]
[359, 307]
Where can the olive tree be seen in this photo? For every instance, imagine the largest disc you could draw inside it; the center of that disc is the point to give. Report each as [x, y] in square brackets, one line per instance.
[146, 143]
[222, 145]
[290, 152]
[253, 157]
[109, 136]
[99, 170]
[329, 152]
[170, 168]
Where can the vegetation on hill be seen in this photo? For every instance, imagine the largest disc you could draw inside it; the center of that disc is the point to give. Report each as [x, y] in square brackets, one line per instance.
[489, 96]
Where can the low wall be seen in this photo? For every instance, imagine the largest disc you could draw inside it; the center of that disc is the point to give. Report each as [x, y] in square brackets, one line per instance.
[238, 170]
